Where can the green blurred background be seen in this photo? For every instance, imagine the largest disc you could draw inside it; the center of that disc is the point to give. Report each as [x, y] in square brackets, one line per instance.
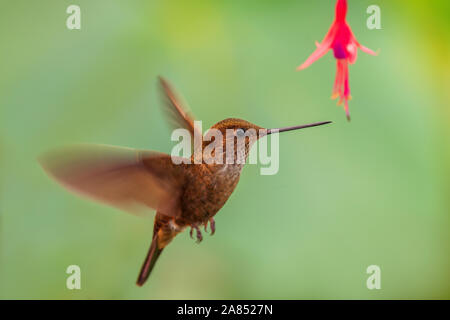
[373, 191]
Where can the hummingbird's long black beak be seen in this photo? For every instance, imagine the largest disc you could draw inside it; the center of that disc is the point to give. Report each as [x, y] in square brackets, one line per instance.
[269, 131]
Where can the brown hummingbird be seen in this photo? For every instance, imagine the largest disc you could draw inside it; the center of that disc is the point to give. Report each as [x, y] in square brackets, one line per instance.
[183, 195]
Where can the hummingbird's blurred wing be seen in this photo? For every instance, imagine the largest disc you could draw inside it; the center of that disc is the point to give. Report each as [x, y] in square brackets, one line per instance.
[179, 116]
[125, 178]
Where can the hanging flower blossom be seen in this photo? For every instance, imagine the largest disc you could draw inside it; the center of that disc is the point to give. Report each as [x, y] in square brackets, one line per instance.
[340, 38]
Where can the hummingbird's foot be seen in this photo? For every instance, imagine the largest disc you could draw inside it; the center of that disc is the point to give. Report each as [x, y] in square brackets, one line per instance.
[198, 233]
[212, 225]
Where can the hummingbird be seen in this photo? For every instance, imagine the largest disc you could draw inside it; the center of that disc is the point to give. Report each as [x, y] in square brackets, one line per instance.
[184, 195]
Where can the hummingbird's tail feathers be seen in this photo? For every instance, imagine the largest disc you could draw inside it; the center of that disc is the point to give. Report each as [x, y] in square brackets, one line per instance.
[150, 260]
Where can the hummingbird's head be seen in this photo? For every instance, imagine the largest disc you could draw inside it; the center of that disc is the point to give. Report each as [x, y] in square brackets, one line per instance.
[238, 136]
[237, 126]
[234, 136]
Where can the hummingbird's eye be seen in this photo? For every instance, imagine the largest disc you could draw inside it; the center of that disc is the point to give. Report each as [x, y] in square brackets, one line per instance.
[240, 132]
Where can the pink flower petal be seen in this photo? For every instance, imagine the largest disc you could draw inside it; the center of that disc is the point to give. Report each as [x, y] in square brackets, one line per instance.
[317, 54]
[352, 50]
[367, 50]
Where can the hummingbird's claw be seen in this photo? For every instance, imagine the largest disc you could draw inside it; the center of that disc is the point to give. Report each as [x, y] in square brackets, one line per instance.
[212, 225]
[198, 232]
[199, 235]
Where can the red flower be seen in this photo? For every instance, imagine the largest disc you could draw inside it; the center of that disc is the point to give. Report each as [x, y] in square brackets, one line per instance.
[340, 38]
